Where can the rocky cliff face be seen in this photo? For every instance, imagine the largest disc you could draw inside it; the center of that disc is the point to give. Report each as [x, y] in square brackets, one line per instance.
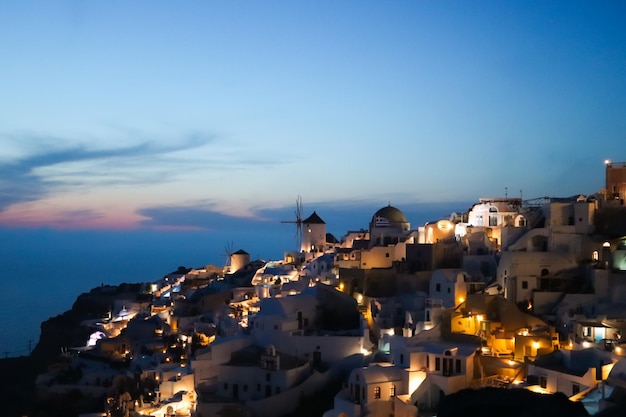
[18, 394]
[65, 330]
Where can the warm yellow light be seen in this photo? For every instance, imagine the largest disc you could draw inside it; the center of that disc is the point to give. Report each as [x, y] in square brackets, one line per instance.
[536, 345]
[618, 350]
[341, 286]
[607, 161]
[461, 299]
[479, 318]
[606, 245]
[511, 362]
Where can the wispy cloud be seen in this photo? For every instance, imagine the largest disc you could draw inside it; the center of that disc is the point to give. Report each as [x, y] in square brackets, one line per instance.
[206, 218]
[20, 180]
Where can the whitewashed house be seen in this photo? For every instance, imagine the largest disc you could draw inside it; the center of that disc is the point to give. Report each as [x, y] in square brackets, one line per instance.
[569, 371]
[254, 373]
[320, 320]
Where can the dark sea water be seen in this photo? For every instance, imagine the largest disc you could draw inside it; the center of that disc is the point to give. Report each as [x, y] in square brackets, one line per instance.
[43, 271]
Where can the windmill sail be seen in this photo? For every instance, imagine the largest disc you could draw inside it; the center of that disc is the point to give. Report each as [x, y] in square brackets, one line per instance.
[298, 222]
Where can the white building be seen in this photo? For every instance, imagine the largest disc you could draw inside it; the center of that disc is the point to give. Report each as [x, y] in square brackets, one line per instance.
[320, 320]
[254, 373]
[569, 371]
[449, 285]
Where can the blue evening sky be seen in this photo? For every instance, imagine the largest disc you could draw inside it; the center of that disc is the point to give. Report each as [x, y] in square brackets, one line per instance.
[112, 112]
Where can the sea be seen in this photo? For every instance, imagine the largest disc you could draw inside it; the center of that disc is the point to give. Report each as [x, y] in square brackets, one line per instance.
[43, 270]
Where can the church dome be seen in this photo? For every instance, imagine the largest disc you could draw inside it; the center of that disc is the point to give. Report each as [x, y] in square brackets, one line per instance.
[388, 215]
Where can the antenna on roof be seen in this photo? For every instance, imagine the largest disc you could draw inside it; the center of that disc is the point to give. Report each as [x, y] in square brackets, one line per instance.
[506, 192]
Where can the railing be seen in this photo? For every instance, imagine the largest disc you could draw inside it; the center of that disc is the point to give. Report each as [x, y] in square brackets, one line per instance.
[434, 302]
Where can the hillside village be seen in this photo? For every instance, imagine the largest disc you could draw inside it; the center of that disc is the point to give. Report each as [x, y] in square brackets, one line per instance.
[512, 295]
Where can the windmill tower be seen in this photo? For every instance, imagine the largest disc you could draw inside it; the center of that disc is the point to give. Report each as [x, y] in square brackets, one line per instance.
[298, 222]
[228, 255]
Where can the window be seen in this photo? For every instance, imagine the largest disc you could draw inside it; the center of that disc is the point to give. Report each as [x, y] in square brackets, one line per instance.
[376, 393]
[575, 389]
[448, 290]
[258, 387]
[427, 361]
[392, 391]
[225, 385]
[493, 220]
[245, 388]
[458, 366]
[401, 359]
[543, 381]
[437, 287]
[387, 255]
[437, 364]
[524, 285]
[268, 376]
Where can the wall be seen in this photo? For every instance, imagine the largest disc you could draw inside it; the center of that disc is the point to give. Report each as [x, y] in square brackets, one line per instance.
[252, 380]
[514, 264]
[402, 409]
[169, 388]
[377, 257]
[205, 366]
[287, 402]
[544, 302]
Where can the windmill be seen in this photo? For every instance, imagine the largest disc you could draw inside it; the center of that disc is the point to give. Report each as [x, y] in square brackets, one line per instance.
[228, 254]
[298, 222]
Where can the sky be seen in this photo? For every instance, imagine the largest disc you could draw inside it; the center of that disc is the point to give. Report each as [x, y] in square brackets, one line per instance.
[125, 115]
[139, 136]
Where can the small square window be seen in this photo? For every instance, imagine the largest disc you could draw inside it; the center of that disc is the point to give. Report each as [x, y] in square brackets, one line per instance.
[524, 285]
